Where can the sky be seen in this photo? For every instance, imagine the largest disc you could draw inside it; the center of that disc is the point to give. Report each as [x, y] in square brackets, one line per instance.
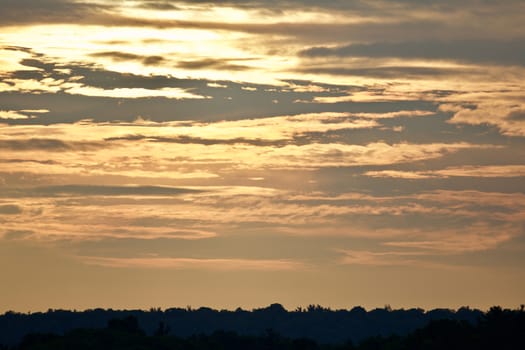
[158, 153]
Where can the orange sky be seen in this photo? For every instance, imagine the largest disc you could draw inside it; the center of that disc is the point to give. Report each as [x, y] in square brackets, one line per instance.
[172, 153]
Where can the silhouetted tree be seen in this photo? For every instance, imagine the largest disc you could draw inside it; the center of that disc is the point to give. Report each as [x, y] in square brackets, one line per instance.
[128, 324]
[494, 329]
[162, 330]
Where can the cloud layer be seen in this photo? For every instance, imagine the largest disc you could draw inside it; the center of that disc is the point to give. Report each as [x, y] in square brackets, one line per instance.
[281, 142]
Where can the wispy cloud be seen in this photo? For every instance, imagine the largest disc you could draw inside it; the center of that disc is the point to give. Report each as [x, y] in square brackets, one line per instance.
[96, 190]
[364, 257]
[50, 145]
[424, 248]
[219, 264]
[489, 171]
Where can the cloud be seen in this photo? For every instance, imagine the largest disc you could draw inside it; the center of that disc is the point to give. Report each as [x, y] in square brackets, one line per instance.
[125, 56]
[152, 127]
[399, 174]
[318, 32]
[389, 72]
[502, 109]
[20, 12]
[365, 257]
[424, 247]
[217, 85]
[303, 21]
[265, 131]
[158, 5]
[98, 190]
[502, 52]
[19, 160]
[193, 263]
[17, 234]
[214, 63]
[62, 221]
[395, 114]
[13, 115]
[175, 93]
[184, 139]
[271, 5]
[317, 155]
[202, 220]
[145, 95]
[495, 171]
[10, 209]
[32, 85]
[512, 202]
[478, 237]
[50, 145]
[160, 150]
[76, 79]
[378, 153]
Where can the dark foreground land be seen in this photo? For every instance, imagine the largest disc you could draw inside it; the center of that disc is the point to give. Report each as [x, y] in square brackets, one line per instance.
[496, 329]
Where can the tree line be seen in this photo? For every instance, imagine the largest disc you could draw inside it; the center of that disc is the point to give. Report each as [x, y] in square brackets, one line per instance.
[496, 329]
[320, 325]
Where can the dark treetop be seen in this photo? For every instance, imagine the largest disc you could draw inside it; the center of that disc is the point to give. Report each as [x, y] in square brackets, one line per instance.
[318, 323]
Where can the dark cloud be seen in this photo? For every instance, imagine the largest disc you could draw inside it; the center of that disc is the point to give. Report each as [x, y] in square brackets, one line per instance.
[214, 63]
[482, 51]
[500, 20]
[20, 12]
[153, 60]
[29, 12]
[37, 63]
[332, 180]
[517, 116]
[311, 32]
[385, 72]
[42, 144]
[124, 56]
[10, 209]
[257, 3]
[305, 32]
[222, 64]
[23, 12]
[243, 105]
[92, 75]
[158, 5]
[225, 103]
[17, 48]
[355, 5]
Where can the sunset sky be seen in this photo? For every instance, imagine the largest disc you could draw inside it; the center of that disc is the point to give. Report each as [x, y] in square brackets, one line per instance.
[158, 153]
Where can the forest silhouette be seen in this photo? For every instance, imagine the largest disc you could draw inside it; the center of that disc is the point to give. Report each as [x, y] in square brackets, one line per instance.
[265, 329]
